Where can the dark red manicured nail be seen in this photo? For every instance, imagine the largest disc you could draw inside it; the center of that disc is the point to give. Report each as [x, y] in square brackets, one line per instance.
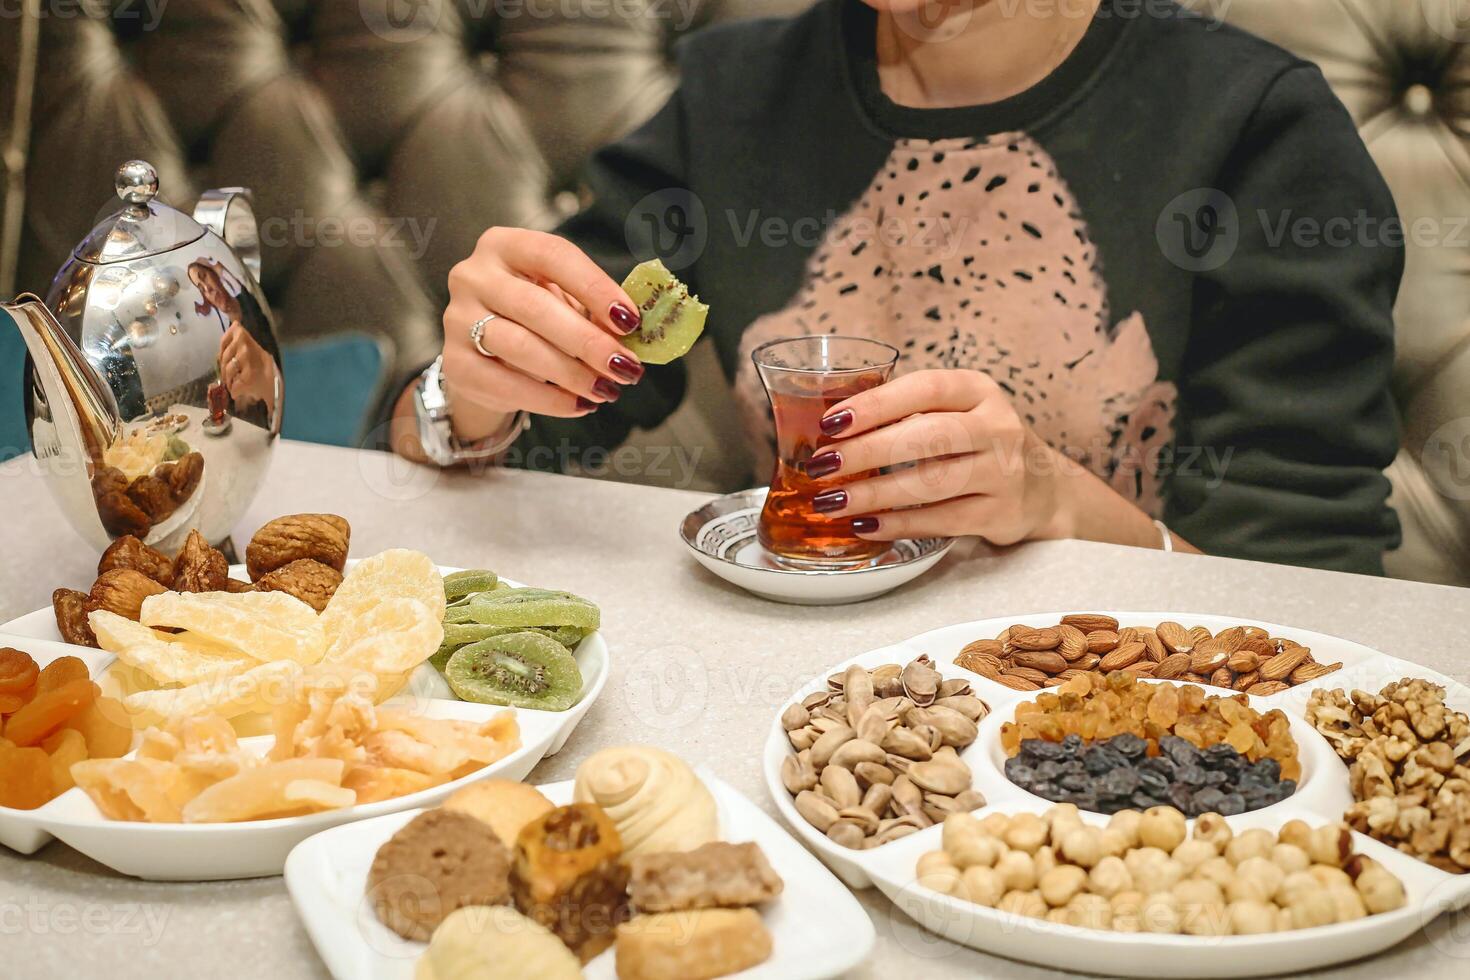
[837, 422]
[864, 525]
[623, 318]
[604, 388]
[825, 503]
[823, 464]
[586, 404]
[626, 368]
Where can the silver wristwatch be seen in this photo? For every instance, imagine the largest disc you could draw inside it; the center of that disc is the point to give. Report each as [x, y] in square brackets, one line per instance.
[436, 432]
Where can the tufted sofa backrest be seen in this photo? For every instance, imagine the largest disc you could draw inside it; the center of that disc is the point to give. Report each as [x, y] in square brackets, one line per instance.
[382, 136]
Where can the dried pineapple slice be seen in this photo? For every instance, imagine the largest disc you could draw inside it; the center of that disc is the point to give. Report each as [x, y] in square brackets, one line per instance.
[256, 689]
[267, 626]
[166, 658]
[397, 573]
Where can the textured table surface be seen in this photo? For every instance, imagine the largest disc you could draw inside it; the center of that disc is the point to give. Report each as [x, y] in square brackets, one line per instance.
[698, 667]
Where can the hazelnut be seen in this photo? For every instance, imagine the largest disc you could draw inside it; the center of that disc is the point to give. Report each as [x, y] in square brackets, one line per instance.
[1294, 887]
[981, 885]
[1348, 902]
[1045, 859]
[1125, 822]
[1289, 858]
[1061, 884]
[1250, 917]
[1295, 832]
[1110, 877]
[1089, 911]
[1252, 843]
[1216, 869]
[1213, 828]
[1083, 846]
[1160, 913]
[937, 872]
[1018, 870]
[1381, 891]
[1162, 827]
[1195, 852]
[1312, 908]
[1026, 903]
[1025, 832]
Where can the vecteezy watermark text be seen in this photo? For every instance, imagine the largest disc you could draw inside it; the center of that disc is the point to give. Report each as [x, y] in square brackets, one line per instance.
[146, 13]
[37, 918]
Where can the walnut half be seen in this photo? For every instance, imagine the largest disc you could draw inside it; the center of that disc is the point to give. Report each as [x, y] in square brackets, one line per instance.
[320, 537]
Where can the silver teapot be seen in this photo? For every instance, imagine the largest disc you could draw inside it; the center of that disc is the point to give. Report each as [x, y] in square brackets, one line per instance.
[154, 389]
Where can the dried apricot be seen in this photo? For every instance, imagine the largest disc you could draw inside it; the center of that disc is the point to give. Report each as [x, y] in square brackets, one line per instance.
[25, 778]
[10, 703]
[17, 671]
[65, 747]
[48, 711]
[105, 728]
[60, 672]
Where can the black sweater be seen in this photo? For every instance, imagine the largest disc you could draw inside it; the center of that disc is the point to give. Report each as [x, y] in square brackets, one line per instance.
[1127, 248]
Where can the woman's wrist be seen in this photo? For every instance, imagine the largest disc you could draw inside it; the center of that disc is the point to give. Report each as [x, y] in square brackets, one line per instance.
[1083, 507]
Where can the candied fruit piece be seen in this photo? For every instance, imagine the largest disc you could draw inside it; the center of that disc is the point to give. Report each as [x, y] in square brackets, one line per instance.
[18, 671]
[104, 726]
[65, 747]
[25, 778]
[60, 672]
[1163, 707]
[48, 711]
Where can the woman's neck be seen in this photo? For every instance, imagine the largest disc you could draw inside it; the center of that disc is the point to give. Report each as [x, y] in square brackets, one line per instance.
[977, 51]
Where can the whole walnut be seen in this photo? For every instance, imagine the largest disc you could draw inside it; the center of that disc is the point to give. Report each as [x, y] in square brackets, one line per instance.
[70, 607]
[128, 552]
[153, 497]
[200, 568]
[122, 591]
[308, 580]
[320, 537]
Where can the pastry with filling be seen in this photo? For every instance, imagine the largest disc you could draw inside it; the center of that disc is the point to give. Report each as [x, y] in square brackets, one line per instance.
[569, 876]
[717, 875]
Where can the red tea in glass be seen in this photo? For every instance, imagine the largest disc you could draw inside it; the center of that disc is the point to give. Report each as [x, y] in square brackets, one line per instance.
[804, 377]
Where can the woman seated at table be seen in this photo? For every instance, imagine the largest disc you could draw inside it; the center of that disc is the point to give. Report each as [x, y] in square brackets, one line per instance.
[1078, 226]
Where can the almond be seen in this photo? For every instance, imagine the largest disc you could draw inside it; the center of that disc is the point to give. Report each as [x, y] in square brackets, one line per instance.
[1262, 646]
[979, 664]
[1267, 688]
[1046, 639]
[1312, 671]
[1046, 661]
[1175, 637]
[1199, 634]
[1091, 622]
[990, 648]
[1281, 665]
[1207, 657]
[1221, 677]
[1243, 661]
[1088, 661]
[1129, 634]
[1153, 647]
[1074, 642]
[1144, 668]
[1243, 681]
[1172, 666]
[1126, 655]
[1231, 639]
[1101, 641]
[1027, 673]
[1194, 678]
[1016, 683]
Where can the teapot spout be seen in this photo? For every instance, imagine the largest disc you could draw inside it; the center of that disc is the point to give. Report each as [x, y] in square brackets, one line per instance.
[73, 415]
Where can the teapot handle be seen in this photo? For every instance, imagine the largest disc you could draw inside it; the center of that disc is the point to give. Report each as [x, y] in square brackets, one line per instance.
[229, 213]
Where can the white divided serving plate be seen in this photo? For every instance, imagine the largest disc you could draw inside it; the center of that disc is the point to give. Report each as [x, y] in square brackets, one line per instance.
[1322, 795]
[817, 927]
[212, 851]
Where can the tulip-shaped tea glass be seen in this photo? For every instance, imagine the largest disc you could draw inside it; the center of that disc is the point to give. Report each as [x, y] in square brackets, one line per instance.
[804, 377]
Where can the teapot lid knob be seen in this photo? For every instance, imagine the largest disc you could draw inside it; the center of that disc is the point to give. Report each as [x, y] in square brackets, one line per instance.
[136, 182]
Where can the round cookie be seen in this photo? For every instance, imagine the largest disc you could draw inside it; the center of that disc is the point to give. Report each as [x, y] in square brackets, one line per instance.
[439, 861]
[505, 805]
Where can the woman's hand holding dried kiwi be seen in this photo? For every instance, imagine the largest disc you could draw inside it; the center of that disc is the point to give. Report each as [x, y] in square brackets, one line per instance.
[978, 468]
[554, 338]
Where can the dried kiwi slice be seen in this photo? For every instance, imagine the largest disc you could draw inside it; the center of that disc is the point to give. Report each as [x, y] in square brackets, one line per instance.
[459, 585]
[533, 607]
[672, 319]
[522, 670]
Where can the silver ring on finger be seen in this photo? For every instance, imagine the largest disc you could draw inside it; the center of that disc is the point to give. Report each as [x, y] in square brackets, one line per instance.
[477, 332]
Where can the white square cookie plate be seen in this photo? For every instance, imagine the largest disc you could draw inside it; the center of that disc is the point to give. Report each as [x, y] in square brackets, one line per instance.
[818, 929]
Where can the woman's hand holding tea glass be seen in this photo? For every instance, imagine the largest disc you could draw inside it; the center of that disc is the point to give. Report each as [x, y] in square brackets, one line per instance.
[977, 468]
